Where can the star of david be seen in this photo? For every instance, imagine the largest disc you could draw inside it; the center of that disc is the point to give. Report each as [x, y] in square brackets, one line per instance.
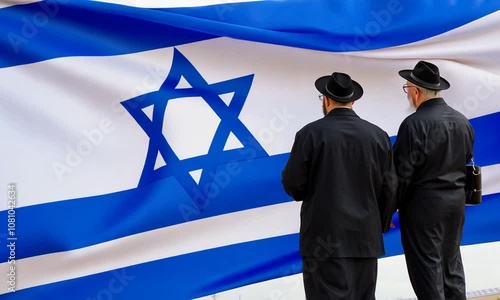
[229, 124]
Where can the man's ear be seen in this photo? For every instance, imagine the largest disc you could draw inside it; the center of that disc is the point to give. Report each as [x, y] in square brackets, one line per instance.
[328, 102]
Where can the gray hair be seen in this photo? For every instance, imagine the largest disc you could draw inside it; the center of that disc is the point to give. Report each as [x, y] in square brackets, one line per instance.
[428, 92]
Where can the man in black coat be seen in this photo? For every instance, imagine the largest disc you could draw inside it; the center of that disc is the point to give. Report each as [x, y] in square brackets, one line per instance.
[431, 151]
[341, 167]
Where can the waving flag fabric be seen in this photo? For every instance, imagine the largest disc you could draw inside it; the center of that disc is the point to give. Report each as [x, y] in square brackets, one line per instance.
[145, 140]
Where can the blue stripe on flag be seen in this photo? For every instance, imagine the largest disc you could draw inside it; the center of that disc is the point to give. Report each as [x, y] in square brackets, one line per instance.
[479, 221]
[164, 202]
[487, 140]
[50, 29]
[207, 272]
[182, 277]
[338, 26]
[94, 220]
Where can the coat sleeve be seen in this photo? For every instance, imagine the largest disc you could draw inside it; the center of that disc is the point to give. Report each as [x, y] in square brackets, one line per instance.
[387, 197]
[296, 172]
[405, 149]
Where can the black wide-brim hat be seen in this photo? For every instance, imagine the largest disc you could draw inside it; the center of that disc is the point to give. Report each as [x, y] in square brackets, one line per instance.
[339, 87]
[425, 75]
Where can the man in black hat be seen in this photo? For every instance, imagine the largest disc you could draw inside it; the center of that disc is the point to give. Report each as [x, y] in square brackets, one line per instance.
[432, 148]
[341, 167]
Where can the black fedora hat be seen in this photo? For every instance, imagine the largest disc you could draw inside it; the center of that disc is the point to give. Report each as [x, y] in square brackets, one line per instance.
[339, 87]
[425, 75]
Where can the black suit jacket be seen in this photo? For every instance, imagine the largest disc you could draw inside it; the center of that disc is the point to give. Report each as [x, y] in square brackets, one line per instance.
[341, 167]
[432, 148]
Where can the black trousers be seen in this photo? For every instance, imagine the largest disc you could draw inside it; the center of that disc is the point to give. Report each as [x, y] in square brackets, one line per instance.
[431, 233]
[339, 278]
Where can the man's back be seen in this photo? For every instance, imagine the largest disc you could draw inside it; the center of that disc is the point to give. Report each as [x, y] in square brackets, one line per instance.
[440, 141]
[347, 158]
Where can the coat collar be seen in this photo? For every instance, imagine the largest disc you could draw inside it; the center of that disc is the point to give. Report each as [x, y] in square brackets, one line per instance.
[342, 112]
[432, 102]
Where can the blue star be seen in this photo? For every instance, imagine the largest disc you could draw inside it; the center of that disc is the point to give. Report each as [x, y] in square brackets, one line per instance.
[228, 114]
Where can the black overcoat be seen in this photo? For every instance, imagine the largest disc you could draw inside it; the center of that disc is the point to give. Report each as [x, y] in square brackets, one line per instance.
[430, 153]
[341, 167]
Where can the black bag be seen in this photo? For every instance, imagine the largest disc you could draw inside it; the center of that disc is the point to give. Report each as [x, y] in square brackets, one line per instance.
[473, 186]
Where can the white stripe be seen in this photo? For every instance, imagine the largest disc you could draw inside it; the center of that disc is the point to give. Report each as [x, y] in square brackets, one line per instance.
[173, 3]
[7, 3]
[244, 226]
[490, 179]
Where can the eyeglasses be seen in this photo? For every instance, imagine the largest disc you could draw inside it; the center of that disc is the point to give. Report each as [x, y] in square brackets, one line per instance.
[320, 96]
[406, 87]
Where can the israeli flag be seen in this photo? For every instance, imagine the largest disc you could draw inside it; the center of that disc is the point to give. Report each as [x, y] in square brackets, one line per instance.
[143, 141]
